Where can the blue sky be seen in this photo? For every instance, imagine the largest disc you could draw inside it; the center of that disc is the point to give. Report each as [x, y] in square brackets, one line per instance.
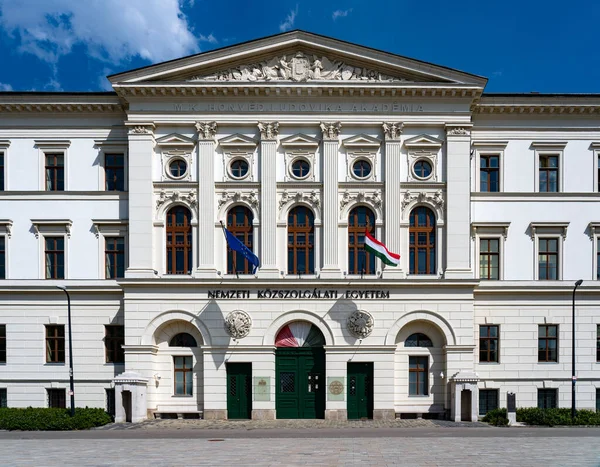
[521, 46]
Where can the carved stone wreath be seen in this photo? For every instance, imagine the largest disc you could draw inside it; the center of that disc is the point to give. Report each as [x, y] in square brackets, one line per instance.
[238, 324]
[187, 197]
[312, 198]
[360, 324]
[248, 197]
[436, 198]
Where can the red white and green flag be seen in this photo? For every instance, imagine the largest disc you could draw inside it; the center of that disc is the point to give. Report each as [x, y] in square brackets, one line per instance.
[374, 246]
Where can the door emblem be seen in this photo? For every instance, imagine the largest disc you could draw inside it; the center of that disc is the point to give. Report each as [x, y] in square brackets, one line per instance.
[336, 387]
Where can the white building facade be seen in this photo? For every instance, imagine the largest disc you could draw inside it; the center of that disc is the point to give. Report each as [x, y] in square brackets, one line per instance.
[298, 144]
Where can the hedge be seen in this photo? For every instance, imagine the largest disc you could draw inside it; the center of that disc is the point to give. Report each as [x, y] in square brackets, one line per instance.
[545, 417]
[33, 419]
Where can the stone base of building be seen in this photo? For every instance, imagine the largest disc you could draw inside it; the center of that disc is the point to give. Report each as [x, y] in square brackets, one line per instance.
[215, 414]
[384, 414]
[336, 414]
[263, 414]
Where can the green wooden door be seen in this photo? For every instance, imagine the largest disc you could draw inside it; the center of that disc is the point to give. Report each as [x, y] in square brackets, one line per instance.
[300, 379]
[239, 390]
[360, 390]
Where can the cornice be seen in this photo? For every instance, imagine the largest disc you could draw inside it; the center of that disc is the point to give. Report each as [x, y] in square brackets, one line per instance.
[60, 103]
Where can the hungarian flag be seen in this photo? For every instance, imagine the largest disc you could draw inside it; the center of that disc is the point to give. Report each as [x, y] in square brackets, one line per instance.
[372, 245]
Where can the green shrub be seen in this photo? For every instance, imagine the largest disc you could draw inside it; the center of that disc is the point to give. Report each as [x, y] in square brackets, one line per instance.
[496, 417]
[553, 417]
[33, 419]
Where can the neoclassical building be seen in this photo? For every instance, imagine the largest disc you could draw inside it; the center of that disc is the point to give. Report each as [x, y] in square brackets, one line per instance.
[298, 144]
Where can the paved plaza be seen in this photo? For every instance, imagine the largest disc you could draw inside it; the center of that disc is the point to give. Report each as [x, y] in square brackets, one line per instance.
[303, 443]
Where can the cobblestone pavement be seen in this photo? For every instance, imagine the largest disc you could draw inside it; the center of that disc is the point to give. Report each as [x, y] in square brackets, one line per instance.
[372, 452]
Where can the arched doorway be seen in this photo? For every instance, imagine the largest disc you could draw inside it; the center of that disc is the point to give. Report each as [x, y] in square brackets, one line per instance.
[300, 371]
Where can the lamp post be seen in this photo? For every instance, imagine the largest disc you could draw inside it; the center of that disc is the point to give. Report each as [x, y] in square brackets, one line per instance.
[72, 391]
[573, 378]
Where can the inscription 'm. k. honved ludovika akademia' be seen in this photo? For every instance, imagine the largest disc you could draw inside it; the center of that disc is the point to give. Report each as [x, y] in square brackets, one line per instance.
[340, 107]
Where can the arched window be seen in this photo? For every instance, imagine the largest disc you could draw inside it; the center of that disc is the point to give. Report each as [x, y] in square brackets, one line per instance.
[301, 241]
[418, 340]
[359, 260]
[183, 339]
[422, 241]
[239, 223]
[179, 241]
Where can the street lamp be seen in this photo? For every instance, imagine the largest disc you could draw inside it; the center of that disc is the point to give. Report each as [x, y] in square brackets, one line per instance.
[573, 378]
[72, 391]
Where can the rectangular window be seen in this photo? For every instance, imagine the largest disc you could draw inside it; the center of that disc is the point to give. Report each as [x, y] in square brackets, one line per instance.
[2, 257]
[548, 259]
[418, 368]
[114, 338]
[548, 343]
[114, 257]
[3, 398]
[1, 171]
[488, 400]
[597, 399]
[549, 175]
[489, 258]
[110, 402]
[55, 343]
[55, 172]
[547, 398]
[489, 173]
[598, 258]
[114, 170]
[488, 344]
[183, 376]
[55, 257]
[598, 342]
[2, 343]
[57, 398]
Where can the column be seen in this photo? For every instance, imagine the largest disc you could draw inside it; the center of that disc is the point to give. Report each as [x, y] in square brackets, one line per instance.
[330, 247]
[141, 200]
[268, 199]
[392, 161]
[206, 196]
[458, 194]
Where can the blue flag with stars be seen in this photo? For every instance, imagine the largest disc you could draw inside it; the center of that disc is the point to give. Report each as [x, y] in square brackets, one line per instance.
[238, 246]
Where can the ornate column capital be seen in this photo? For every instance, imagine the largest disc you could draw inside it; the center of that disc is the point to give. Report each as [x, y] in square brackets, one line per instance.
[141, 128]
[392, 130]
[268, 130]
[331, 130]
[206, 130]
[458, 130]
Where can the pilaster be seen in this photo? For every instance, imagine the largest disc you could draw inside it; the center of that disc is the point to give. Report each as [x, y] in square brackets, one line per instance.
[393, 196]
[458, 197]
[141, 204]
[331, 266]
[206, 195]
[268, 199]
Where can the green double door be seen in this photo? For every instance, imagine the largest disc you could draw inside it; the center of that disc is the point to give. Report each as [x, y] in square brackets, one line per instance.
[360, 390]
[239, 390]
[300, 380]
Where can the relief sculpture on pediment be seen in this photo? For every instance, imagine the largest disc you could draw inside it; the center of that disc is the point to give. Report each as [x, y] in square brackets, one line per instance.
[299, 67]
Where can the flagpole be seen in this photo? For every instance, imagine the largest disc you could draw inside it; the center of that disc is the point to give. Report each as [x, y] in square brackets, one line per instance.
[232, 252]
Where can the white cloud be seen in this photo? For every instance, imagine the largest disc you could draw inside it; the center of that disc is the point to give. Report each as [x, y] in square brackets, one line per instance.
[341, 13]
[5, 87]
[210, 38]
[289, 20]
[111, 30]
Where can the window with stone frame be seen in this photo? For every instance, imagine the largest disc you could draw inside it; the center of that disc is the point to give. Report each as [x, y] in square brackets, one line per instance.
[179, 241]
[488, 400]
[2, 343]
[114, 172]
[598, 342]
[422, 241]
[489, 173]
[57, 398]
[1, 171]
[489, 337]
[110, 401]
[114, 339]
[549, 180]
[183, 377]
[2, 257]
[489, 258]
[55, 343]
[548, 258]
[360, 261]
[54, 254]
[114, 257]
[548, 343]
[55, 171]
[547, 398]
[301, 241]
[418, 370]
[240, 222]
[3, 398]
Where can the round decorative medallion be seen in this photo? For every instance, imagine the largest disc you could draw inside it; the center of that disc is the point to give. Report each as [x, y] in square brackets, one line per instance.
[360, 324]
[238, 324]
[336, 387]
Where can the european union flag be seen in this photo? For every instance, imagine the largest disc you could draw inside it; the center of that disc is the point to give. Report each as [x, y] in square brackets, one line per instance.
[238, 246]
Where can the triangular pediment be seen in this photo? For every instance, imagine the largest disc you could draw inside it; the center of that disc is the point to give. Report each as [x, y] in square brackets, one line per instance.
[175, 140]
[361, 141]
[296, 57]
[300, 141]
[237, 140]
[423, 141]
